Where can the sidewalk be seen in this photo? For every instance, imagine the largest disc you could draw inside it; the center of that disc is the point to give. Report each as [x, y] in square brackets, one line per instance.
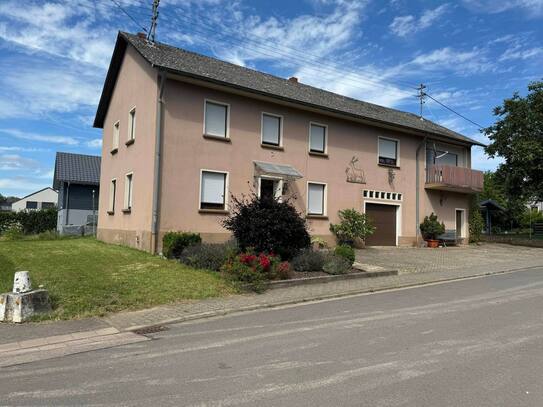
[126, 321]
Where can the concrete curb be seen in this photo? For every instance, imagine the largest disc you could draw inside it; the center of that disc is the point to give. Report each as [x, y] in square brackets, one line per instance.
[229, 311]
[327, 279]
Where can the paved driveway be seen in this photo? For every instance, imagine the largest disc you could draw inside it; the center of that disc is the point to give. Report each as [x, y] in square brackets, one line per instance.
[490, 256]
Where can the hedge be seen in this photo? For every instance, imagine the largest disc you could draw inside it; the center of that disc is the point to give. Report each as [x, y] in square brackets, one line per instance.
[31, 222]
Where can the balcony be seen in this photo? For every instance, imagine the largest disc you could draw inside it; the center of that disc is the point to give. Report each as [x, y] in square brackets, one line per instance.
[455, 179]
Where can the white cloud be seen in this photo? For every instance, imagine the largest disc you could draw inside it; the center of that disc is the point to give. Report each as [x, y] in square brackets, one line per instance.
[409, 24]
[14, 162]
[533, 8]
[18, 184]
[518, 52]
[94, 143]
[23, 135]
[473, 61]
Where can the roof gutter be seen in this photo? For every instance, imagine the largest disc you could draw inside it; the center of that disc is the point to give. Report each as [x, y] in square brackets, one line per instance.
[158, 163]
[417, 193]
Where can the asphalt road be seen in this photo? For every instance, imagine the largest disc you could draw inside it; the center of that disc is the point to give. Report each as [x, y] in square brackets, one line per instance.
[476, 342]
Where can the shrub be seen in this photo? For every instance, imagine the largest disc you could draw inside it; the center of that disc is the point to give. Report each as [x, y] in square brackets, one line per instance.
[336, 265]
[309, 260]
[208, 256]
[475, 222]
[173, 243]
[15, 232]
[319, 242]
[345, 251]
[253, 270]
[353, 225]
[430, 228]
[31, 222]
[267, 225]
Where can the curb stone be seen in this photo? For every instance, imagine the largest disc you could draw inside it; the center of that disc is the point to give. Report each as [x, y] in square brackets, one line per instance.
[229, 311]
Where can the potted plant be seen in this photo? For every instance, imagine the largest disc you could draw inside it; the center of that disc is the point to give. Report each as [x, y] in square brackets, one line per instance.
[430, 229]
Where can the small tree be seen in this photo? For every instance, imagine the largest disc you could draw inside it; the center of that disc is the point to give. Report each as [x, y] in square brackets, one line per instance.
[267, 225]
[475, 221]
[430, 228]
[353, 225]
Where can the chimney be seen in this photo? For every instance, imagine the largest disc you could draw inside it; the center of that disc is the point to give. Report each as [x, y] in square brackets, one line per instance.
[141, 35]
[293, 79]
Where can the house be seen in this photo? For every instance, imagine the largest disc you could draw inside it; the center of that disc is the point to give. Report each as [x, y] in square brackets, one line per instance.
[195, 130]
[536, 206]
[77, 178]
[42, 199]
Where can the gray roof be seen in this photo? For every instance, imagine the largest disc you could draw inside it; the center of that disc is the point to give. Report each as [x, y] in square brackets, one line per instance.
[193, 65]
[77, 169]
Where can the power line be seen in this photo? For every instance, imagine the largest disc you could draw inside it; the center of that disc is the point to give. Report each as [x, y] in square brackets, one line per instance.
[455, 112]
[129, 16]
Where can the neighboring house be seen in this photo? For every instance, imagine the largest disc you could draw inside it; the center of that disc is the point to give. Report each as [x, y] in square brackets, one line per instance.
[536, 206]
[77, 178]
[196, 130]
[42, 199]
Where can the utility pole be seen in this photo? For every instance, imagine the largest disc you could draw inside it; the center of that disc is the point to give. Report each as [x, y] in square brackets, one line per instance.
[421, 95]
[154, 18]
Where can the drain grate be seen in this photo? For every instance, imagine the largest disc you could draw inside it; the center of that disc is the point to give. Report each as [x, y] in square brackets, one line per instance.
[151, 330]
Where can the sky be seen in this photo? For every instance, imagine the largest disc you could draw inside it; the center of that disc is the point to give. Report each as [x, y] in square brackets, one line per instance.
[471, 54]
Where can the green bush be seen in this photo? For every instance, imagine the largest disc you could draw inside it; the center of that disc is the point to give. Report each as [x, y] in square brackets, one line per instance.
[345, 251]
[252, 271]
[15, 232]
[31, 222]
[309, 260]
[267, 225]
[430, 228]
[336, 265]
[353, 225]
[173, 243]
[475, 222]
[208, 256]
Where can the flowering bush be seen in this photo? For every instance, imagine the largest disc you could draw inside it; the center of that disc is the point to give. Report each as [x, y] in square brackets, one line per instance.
[254, 270]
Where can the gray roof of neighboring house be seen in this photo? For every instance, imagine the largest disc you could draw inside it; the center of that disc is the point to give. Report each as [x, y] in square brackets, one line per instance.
[77, 169]
[197, 66]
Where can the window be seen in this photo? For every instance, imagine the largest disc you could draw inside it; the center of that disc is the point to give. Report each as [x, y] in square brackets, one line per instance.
[128, 191]
[115, 141]
[216, 119]
[132, 125]
[438, 157]
[112, 193]
[31, 205]
[317, 138]
[271, 129]
[213, 190]
[316, 199]
[388, 151]
[47, 205]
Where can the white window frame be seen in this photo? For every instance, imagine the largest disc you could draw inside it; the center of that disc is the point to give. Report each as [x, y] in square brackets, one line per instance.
[112, 195]
[227, 132]
[132, 122]
[325, 199]
[463, 227]
[280, 117]
[398, 206]
[279, 188]
[128, 192]
[397, 150]
[226, 189]
[311, 123]
[116, 136]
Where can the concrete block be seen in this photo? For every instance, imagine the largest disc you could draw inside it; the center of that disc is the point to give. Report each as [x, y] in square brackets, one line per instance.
[21, 282]
[19, 307]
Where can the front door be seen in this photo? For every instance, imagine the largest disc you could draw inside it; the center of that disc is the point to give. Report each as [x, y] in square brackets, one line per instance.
[383, 217]
[267, 188]
[459, 224]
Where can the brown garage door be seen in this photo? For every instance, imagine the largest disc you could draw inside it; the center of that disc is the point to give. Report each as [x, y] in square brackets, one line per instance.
[383, 217]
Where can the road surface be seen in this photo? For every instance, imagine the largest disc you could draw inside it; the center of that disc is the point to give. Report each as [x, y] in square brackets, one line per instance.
[476, 342]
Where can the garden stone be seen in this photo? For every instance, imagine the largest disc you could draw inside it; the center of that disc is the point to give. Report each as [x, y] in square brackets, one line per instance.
[21, 304]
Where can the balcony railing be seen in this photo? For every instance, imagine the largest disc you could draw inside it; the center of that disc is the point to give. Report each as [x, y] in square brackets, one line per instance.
[451, 178]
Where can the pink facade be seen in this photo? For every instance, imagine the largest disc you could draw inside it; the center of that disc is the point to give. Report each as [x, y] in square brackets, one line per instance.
[186, 153]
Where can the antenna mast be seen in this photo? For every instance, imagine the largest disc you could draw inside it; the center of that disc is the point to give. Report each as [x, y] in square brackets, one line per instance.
[421, 96]
[154, 18]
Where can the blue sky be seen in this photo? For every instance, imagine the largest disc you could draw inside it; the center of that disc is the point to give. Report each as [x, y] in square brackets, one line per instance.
[54, 56]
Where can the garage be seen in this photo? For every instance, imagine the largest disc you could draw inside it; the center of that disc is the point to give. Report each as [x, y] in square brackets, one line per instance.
[383, 217]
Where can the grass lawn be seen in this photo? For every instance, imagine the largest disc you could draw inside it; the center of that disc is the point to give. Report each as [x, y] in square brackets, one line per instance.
[86, 277]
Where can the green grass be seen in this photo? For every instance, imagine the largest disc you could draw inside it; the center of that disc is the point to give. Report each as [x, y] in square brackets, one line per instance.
[86, 277]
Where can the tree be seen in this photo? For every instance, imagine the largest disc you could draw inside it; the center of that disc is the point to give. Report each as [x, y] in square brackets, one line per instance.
[493, 188]
[517, 136]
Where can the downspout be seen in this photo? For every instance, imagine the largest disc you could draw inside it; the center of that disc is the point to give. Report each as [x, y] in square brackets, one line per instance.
[417, 195]
[158, 162]
[67, 204]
